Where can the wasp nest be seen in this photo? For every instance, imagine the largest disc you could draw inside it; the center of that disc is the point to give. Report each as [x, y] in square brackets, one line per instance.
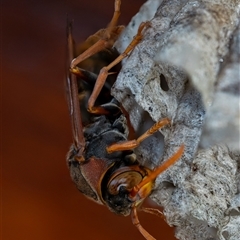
[187, 68]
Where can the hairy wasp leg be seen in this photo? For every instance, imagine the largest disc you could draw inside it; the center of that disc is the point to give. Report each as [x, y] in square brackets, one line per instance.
[106, 41]
[104, 71]
[131, 144]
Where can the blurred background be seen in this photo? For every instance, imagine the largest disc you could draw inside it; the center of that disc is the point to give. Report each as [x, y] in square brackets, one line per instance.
[39, 201]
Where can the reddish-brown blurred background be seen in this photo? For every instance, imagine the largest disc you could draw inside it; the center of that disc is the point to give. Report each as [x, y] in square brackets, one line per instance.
[39, 201]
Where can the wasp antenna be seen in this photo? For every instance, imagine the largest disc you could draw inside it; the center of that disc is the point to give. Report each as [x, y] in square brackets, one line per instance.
[158, 171]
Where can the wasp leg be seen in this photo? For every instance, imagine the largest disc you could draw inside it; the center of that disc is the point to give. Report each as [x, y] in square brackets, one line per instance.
[106, 41]
[104, 71]
[136, 223]
[90, 78]
[131, 144]
[84, 74]
[114, 20]
[153, 211]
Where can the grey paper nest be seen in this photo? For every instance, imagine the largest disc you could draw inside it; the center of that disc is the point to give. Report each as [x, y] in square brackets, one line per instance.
[187, 68]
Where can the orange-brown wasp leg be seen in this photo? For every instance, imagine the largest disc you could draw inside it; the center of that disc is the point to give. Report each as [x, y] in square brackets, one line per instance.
[104, 71]
[136, 223]
[73, 101]
[106, 41]
[114, 20]
[128, 145]
[153, 211]
[84, 74]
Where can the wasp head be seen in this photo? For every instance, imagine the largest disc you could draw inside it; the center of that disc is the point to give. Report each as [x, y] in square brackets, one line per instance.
[119, 188]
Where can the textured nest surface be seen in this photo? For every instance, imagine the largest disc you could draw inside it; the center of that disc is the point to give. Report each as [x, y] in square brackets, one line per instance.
[187, 68]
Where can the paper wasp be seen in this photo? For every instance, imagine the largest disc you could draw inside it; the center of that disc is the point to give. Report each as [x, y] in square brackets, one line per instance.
[101, 160]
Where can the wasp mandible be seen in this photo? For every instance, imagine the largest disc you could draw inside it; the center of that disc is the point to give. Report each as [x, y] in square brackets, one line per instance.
[101, 159]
